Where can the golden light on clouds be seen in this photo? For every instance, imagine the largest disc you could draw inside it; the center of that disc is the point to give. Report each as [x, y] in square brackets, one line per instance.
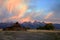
[12, 5]
[16, 5]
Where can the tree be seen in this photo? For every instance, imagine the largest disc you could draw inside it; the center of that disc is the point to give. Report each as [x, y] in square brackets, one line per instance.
[49, 26]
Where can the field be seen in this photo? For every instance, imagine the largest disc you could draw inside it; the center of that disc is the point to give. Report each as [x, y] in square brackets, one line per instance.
[28, 35]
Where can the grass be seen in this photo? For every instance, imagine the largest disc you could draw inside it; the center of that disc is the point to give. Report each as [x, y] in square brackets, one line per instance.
[28, 35]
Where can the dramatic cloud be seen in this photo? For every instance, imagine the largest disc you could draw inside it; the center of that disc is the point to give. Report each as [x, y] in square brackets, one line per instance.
[30, 10]
[15, 9]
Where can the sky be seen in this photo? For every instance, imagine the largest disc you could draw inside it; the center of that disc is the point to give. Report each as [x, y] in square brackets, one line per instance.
[30, 10]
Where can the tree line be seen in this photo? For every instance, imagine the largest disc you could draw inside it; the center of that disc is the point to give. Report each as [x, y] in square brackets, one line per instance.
[48, 26]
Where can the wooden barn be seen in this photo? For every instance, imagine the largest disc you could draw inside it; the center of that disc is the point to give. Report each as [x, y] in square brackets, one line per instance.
[15, 27]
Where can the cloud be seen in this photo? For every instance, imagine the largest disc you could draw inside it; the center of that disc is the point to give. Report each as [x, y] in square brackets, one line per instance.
[16, 10]
[11, 4]
[18, 5]
[49, 15]
[54, 17]
[12, 9]
[26, 19]
[53, 20]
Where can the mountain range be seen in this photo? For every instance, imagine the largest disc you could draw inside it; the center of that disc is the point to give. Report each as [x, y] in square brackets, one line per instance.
[33, 25]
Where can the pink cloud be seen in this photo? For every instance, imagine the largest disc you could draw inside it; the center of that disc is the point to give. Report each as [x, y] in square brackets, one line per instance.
[49, 15]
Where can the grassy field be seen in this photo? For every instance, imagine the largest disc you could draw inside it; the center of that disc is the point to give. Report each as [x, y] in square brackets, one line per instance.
[28, 35]
[31, 30]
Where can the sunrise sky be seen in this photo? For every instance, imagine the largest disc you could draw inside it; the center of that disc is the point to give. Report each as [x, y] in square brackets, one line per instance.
[30, 10]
